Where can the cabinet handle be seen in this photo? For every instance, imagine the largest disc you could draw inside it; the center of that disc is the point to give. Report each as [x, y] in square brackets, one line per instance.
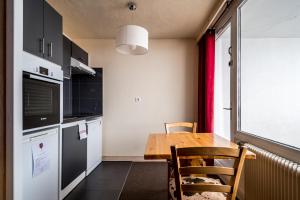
[42, 42]
[50, 49]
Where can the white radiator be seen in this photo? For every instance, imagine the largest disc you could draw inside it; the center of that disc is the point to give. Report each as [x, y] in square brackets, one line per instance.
[271, 177]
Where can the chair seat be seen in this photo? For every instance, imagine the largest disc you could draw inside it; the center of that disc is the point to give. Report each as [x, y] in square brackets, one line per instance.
[197, 196]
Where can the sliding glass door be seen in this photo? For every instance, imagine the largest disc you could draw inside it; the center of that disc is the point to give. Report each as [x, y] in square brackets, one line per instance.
[222, 104]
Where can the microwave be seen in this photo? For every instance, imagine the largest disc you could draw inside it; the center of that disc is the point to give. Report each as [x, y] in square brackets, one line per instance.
[42, 97]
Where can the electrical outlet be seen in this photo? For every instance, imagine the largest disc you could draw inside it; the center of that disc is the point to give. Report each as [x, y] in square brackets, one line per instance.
[137, 99]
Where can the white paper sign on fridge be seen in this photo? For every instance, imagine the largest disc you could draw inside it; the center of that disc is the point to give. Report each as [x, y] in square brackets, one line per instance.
[40, 158]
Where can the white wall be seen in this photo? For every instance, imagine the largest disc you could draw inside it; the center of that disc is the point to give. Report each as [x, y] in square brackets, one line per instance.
[165, 79]
[270, 90]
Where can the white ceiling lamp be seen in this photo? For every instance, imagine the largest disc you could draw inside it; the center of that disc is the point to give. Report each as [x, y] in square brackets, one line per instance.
[132, 39]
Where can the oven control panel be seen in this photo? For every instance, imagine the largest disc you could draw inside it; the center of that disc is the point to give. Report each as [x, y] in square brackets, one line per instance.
[38, 66]
[44, 71]
[50, 73]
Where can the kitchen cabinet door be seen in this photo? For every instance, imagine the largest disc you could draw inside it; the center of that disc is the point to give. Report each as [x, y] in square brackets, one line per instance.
[74, 155]
[79, 54]
[94, 144]
[67, 57]
[53, 35]
[33, 32]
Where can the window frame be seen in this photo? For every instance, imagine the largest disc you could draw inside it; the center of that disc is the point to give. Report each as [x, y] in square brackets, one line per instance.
[283, 150]
[226, 18]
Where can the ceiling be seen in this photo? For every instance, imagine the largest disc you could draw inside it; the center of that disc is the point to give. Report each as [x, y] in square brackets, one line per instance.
[162, 18]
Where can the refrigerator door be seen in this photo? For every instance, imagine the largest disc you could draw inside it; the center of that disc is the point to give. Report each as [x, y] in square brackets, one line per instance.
[40, 166]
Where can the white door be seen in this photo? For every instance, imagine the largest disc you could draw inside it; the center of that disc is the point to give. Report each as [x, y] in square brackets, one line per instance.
[41, 181]
[94, 147]
[222, 106]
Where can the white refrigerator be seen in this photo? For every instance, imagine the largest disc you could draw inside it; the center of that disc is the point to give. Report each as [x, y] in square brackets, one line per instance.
[40, 165]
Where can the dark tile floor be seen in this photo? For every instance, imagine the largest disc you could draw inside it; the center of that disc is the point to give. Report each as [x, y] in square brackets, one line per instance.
[105, 182]
[124, 181]
[146, 181]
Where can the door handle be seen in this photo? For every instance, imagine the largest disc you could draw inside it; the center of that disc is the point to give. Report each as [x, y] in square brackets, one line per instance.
[50, 53]
[230, 63]
[44, 79]
[227, 108]
[230, 50]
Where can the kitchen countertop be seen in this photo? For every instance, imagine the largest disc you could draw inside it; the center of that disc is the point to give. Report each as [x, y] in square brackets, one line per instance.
[74, 119]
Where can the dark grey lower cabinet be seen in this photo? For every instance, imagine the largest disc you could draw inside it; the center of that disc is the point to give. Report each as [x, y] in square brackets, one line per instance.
[74, 155]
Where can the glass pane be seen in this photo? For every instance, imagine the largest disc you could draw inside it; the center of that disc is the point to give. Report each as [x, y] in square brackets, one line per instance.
[270, 70]
[222, 84]
[38, 97]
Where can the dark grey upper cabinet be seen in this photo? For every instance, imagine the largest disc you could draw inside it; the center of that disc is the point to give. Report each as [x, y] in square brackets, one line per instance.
[70, 49]
[79, 54]
[33, 20]
[53, 35]
[67, 45]
[42, 28]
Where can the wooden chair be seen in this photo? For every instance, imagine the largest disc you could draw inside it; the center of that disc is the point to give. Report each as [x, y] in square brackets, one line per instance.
[185, 186]
[169, 126]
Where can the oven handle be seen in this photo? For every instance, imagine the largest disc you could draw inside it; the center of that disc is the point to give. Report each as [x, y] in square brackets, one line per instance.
[44, 79]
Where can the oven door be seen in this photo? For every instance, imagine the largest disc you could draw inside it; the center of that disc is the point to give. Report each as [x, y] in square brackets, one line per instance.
[41, 101]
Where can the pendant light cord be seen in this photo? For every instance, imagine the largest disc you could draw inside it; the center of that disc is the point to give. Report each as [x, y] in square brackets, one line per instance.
[132, 7]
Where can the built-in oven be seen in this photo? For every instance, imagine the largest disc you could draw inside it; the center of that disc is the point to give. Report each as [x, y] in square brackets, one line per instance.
[42, 97]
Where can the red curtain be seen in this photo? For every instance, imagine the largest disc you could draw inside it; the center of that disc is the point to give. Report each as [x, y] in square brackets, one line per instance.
[206, 82]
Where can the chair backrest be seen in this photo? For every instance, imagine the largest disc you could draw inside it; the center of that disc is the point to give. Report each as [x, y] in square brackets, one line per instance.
[192, 126]
[208, 153]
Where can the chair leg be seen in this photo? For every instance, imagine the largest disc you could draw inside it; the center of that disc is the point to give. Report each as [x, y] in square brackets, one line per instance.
[170, 175]
[168, 182]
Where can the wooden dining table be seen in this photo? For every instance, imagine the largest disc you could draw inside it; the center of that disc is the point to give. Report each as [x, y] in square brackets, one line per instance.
[158, 144]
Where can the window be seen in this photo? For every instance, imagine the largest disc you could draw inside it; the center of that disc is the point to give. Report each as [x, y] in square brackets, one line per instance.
[269, 97]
